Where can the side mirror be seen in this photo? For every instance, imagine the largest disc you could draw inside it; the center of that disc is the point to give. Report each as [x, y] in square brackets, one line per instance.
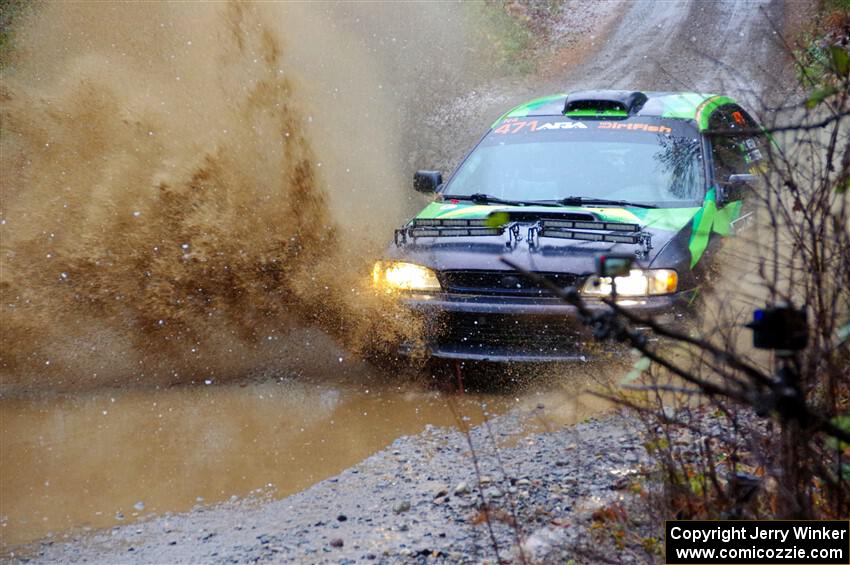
[427, 181]
[736, 187]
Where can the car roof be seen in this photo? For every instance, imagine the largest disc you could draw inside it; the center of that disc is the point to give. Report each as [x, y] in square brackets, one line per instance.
[693, 106]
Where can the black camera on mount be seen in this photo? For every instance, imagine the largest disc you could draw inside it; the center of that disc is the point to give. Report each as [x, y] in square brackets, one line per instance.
[781, 328]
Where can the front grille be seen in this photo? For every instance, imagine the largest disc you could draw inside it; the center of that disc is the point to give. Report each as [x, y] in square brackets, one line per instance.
[505, 283]
[532, 334]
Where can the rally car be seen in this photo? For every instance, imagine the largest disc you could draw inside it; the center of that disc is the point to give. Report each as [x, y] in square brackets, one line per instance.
[552, 185]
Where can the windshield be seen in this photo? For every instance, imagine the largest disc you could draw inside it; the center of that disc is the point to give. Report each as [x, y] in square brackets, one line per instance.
[646, 161]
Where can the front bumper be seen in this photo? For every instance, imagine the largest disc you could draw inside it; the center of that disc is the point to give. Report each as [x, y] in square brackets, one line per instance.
[521, 329]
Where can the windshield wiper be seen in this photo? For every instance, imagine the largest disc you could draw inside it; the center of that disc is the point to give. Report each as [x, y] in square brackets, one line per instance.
[586, 201]
[479, 198]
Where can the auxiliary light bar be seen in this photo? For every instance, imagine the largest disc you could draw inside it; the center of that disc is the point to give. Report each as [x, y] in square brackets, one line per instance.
[580, 225]
[456, 232]
[449, 223]
[590, 236]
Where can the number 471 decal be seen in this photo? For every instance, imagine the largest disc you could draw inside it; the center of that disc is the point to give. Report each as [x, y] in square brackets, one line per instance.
[515, 126]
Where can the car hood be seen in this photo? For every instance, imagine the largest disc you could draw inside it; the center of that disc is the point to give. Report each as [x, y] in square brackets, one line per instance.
[550, 254]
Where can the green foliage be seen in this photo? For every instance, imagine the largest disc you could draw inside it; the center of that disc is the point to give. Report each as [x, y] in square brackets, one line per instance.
[514, 30]
[652, 546]
[823, 62]
[657, 444]
[810, 59]
[829, 73]
[836, 5]
[696, 482]
[842, 422]
[839, 60]
[507, 36]
[818, 95]
[10, 12]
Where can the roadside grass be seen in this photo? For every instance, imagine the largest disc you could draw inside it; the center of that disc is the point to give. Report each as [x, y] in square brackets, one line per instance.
[514, 30]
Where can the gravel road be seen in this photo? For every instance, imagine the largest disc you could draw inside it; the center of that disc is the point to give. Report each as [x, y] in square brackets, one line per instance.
[729, 46]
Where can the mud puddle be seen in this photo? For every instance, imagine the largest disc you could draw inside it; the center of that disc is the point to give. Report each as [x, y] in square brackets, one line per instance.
[89, 461]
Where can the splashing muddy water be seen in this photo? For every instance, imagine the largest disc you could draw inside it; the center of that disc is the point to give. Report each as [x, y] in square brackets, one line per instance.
[186, 193]
[176, 197]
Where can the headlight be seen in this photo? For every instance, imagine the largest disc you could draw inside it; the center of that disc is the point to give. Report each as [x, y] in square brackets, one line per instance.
[638, 283]
[395, 275]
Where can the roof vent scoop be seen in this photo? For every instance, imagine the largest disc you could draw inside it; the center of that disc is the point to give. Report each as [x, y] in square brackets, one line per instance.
[600, 102]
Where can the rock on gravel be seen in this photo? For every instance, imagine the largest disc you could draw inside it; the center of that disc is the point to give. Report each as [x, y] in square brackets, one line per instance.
[462, 488]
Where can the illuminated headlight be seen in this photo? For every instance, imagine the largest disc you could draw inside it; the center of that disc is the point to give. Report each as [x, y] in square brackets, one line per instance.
[396, 275]
[638, 283]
